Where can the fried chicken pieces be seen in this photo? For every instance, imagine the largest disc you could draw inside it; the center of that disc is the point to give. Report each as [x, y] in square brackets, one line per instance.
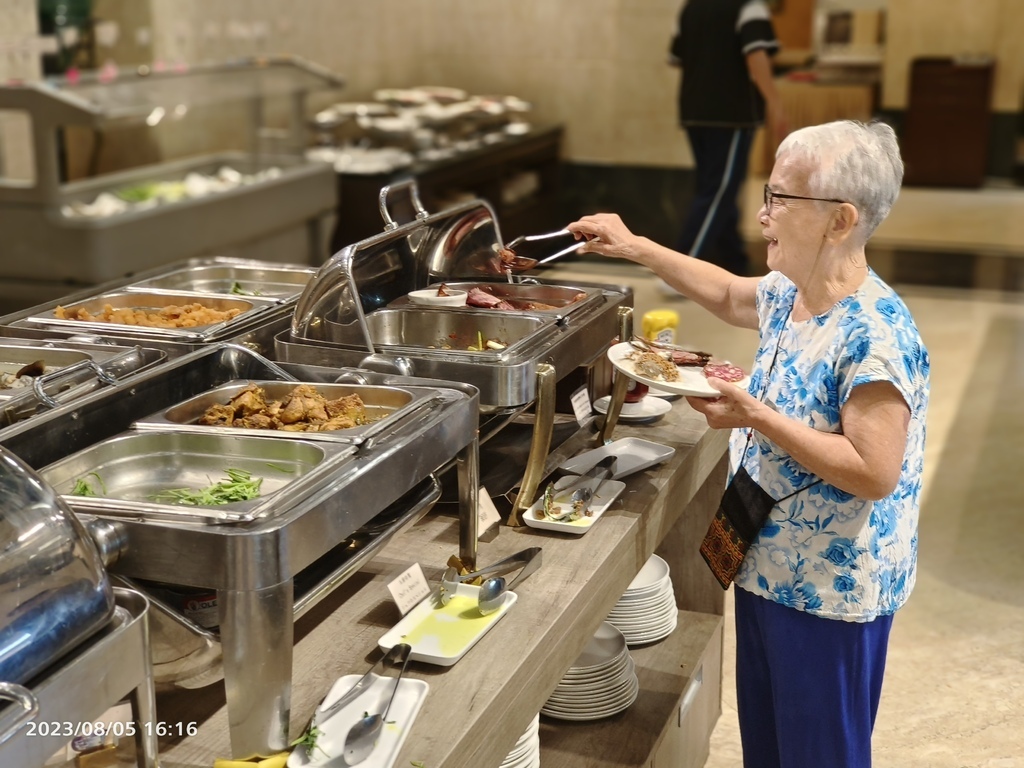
[302, 410]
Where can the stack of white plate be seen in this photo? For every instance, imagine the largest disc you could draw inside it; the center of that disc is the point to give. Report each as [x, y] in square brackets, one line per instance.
[646, 612]
[601, 682]
[526, 752]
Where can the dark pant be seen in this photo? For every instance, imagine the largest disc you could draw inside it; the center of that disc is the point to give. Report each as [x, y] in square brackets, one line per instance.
[711, 230]
[807, 687]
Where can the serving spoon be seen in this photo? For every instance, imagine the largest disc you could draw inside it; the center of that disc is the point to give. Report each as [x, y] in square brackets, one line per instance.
[528, 559]
[362, 737]
[492, 592]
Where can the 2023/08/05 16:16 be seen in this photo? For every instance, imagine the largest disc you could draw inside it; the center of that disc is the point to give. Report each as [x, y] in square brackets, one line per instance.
[118, 728]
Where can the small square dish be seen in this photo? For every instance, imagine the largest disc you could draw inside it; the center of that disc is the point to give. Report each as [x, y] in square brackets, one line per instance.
[606, 494]
[633, 454]
[330, 744]
[443, 634]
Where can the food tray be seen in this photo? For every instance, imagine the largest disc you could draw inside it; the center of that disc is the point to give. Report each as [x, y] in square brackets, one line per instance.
[408, 699]
[232, 280]
[454, 330]
[13, 358]
[384, 406]
[249, 307]
[632, 454]
[606, 495]
[444, 634]
[134, 466]
[560, 299]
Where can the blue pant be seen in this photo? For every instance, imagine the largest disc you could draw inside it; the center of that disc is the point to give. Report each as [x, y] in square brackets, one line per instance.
[711, 230]
[807, 687]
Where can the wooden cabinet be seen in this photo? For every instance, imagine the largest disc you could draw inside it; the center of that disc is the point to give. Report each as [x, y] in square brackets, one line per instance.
[946, 134]
[520, 177]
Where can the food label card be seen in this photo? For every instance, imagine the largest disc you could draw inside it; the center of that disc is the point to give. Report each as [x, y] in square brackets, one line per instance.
[487, 514]
[409, 589]
[581, 405]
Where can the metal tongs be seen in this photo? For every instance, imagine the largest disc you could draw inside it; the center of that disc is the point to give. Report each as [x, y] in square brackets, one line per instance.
[579, 494]
[523, 263]
[397, 655]
[529, 560]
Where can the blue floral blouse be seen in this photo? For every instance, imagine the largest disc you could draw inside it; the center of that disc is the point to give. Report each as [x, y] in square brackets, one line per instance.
[824, 550]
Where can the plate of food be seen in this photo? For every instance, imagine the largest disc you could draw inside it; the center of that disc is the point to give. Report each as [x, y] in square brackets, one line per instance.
[675, 370]
[537, 516]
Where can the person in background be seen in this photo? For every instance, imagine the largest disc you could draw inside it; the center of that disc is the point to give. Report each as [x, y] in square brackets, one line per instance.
[834, 414]
[723, 47]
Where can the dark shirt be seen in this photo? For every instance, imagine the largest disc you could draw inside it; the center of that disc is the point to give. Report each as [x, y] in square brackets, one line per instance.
[711, 45]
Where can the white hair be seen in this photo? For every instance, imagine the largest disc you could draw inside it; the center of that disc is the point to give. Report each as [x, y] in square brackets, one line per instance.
[853, 162]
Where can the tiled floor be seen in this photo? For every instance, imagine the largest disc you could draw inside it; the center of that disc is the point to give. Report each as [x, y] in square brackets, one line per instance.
[954, 688]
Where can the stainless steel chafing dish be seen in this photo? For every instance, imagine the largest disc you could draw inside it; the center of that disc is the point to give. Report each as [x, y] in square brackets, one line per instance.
[285, 198]
[67, 691]
[266, 293]
[254, 557]
[353, 314]
[72, 370]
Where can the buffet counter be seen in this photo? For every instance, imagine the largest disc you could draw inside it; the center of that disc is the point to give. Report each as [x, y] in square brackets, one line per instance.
[477, 709]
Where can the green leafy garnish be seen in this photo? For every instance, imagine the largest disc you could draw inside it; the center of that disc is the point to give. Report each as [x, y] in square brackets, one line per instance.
[240, 486]
[281, 468]
[417, 764]
[139, 193]
[236, 287]
[84, 488]
[308, 741]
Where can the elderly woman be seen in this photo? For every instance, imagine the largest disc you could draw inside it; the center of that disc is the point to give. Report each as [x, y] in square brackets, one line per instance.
[831, 431]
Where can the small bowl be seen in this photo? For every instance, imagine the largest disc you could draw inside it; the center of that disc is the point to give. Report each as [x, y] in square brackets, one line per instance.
[429, 297]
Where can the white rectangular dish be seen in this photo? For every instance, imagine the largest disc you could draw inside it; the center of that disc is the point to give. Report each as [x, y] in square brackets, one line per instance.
[632, 454]
[330, 745]
[606, 494]
[444, 634]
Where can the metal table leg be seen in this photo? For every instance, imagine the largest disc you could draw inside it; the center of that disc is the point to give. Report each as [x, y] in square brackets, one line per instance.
[257, 667]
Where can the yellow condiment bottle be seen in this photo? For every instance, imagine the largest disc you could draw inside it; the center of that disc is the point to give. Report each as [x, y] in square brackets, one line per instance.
[660, 325]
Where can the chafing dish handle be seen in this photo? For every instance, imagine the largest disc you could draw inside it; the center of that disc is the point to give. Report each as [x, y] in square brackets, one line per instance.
[540, 444]
[414, 193]
[29, 708]
[621, 382]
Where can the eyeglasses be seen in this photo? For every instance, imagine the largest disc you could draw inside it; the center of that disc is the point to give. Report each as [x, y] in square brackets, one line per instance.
[770, 196]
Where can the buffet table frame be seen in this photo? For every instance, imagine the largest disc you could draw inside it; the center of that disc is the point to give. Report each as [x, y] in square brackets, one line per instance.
[477, 709]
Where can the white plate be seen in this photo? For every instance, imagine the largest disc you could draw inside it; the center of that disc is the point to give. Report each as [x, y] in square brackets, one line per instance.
[647, 409]
[401, 715]
[692, 381]
[594, 714]
[444, 634]
[655, 570]
[632, 455]
[664, 394]
[606, 494]
[605, 646]
[642, 638]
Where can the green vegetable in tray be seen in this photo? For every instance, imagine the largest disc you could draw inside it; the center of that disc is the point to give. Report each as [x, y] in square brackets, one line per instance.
[236, 288]
[84, 488]
[239, 486]
[139, 193]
